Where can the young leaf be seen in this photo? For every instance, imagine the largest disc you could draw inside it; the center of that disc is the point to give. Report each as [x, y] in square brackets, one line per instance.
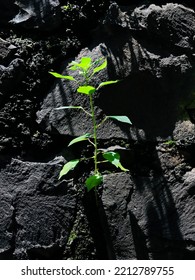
[122, 168]
[114, 158]
[68, 166]
[170, 143]
[79, 139]
[73, 65]
[93, 181]
[67, 7]
[123, 119]
[86, 89]
[107, 83]
[57, 75]
[85, 64]
[101, 67]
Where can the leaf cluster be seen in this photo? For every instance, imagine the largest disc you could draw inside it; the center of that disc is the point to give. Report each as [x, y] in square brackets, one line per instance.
[86, 68]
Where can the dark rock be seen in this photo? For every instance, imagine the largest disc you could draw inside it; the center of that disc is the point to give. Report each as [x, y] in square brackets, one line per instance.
[188, 3]
[163, 211]
[11, 75]
[37, 211]
[43, 15]
[184, 137]
[116, 195]
[6, 50]
[184, 134]
[12, 69]
[164, 69]
[148, 214]
[74, 122]
[149, 217]
[166, 24]
[7, 11]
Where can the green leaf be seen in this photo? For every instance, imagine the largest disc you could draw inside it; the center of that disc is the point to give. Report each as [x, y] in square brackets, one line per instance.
[123, 119]
[101, 67]
[73, 65]
[57, 75]
[85, 64]
[93, 181]
[86, 89]
[114, 158]
[68, 107]
[122, 168]
[79, 139]
[170, 143]
[107, 83]
[68, 166]
[67, 7]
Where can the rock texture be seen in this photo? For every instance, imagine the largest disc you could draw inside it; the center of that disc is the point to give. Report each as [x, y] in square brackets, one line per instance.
[43, 15]
[153, 47]
[116, 196]
[36, 210]
[152, 217]
[147, 213]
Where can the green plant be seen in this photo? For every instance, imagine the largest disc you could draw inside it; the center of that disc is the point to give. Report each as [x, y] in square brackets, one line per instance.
[170, 143]
[87, 69]
[68, 7]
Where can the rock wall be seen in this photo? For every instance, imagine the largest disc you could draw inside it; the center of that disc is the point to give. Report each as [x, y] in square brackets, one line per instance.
[147, 213]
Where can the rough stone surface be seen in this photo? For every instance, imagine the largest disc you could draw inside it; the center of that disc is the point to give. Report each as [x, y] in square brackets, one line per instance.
[76, 122]
[38, 14]
[162, 211]
[6, 50]
[152, 217]
[36, 210]
[12, 74]
[164, 70]
[8, 10]
[147, 213]
[166, 24]
[116, 195]
[184, 133]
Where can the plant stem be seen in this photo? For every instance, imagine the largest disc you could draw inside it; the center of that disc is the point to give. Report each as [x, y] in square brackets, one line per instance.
[87, 113]
[102, 121]
[94, 133]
